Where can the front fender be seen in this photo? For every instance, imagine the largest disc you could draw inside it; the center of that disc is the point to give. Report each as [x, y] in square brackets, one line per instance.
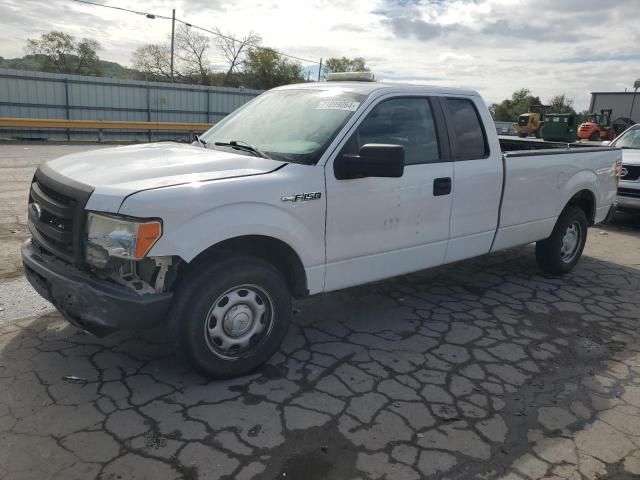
[189, 238]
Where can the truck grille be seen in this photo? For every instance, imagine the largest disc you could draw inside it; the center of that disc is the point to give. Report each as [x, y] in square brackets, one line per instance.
[56, 216]
[629, 192]
[632, 172]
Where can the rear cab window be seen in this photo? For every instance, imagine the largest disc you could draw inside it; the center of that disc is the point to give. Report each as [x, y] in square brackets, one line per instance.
[468, 137]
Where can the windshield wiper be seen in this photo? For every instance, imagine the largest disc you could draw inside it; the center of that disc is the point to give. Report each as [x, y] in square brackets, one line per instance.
[243, 146]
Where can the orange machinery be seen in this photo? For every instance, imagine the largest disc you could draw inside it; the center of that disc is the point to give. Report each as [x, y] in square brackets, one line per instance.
[597, 127]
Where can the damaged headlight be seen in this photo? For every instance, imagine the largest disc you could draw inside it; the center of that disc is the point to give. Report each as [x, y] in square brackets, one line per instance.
[114, 236]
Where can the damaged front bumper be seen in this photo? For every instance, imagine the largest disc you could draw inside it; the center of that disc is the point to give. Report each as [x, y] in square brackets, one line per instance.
[95, 305]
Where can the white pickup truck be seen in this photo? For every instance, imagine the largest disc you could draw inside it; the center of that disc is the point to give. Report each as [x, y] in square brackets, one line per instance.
[306, 189]
[629, 187]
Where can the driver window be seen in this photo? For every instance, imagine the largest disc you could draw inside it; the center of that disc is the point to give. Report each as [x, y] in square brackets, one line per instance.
[401, 121]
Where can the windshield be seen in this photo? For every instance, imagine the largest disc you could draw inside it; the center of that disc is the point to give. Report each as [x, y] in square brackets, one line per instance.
[288, 125]
[629, 139]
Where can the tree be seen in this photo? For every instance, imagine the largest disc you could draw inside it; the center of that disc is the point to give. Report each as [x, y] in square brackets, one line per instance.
[510, 109]
[190, 65]
[61, 52]
[191, 53]
[265, 68]
[561, 104]
[234, 50]
[154, 61]
[344, 64]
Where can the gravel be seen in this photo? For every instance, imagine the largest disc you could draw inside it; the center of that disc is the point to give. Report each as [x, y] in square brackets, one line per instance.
[19, 300]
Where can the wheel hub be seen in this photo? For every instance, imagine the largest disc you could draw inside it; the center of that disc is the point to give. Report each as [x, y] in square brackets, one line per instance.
[238, 320]
[570, 242]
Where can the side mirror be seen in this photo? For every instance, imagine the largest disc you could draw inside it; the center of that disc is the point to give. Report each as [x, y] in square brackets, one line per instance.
[373, 160]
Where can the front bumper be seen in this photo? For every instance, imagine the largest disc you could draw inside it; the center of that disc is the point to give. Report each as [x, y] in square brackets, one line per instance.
[95, 305]
[628, 202]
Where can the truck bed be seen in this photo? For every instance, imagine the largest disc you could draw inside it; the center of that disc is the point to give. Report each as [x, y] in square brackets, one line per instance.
[511, 144]
[541, 177]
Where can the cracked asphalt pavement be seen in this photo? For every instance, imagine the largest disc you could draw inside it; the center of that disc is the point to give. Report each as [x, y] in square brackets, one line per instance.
[483, 369]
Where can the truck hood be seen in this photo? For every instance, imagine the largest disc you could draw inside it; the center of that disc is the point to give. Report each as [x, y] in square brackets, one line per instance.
[125, 170]
[630, 156]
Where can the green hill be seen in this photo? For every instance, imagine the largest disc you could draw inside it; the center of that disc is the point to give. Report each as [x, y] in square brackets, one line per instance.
[105, 68]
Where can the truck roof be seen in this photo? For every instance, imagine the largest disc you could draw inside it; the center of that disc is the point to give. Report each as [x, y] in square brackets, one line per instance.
[366, 88]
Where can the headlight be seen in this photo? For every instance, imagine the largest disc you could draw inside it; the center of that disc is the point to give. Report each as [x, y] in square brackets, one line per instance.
[113, 236]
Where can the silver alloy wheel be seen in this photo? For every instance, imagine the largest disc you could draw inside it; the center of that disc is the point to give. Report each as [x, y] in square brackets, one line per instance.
[238, 320]
[571, 242]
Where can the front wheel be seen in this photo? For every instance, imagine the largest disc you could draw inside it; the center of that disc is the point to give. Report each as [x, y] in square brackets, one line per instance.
[559, 253]
[230, 317]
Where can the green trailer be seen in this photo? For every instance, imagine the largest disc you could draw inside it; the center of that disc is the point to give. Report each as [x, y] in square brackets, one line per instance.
[560, 127]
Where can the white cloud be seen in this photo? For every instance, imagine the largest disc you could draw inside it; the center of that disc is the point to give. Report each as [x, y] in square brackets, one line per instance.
[494, 46]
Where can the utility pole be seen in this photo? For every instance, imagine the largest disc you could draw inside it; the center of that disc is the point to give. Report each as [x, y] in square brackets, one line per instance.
[636, 86]
[320, 69]
[173, 32]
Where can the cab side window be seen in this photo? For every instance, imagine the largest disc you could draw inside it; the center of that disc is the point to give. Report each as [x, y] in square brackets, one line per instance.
[402, 121]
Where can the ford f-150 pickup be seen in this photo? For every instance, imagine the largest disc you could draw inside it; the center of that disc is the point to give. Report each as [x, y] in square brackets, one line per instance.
[306, 189]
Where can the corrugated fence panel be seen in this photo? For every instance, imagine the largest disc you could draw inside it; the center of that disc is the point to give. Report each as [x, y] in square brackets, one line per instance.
[27, 94]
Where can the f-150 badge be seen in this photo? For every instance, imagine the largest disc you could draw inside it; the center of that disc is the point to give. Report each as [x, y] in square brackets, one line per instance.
[302, 197]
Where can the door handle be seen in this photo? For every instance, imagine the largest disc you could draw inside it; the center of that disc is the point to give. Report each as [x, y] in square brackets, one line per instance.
[442, 186]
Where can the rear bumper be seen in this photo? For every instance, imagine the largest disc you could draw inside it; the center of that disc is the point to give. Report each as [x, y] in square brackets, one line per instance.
[97, 306]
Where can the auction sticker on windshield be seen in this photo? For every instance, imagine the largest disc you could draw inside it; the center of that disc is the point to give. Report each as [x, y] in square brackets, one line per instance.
[338, 105]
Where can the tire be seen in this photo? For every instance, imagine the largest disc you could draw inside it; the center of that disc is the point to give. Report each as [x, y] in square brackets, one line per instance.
[559, 253]
[523, 135]
[539, 132]
[229, 317]
[595, 136]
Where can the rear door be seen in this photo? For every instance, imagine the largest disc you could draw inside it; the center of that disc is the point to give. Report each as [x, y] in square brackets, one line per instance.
[477, 177]
[381, 227]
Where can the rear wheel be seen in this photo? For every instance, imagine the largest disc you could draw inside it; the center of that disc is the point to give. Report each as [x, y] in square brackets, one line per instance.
[523, 135]
[230, 317]
[595, 136]
[559, 253]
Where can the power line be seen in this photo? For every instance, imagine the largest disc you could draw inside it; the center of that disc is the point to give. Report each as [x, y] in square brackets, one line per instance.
[189, 24]
[145, 14]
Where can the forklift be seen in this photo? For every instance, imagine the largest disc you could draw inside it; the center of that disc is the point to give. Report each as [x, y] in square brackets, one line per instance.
[597, 127]
[531, 122]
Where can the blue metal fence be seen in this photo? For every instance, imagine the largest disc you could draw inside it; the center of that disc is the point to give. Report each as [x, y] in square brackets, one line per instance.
[28, 94]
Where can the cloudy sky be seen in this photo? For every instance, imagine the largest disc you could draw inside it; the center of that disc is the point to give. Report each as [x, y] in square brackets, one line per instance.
[493, 46]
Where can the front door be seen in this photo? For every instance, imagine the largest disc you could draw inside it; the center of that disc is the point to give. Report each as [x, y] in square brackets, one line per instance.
[381, 227]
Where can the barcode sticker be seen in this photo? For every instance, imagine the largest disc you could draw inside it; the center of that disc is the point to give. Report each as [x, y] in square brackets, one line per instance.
[347, 105]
